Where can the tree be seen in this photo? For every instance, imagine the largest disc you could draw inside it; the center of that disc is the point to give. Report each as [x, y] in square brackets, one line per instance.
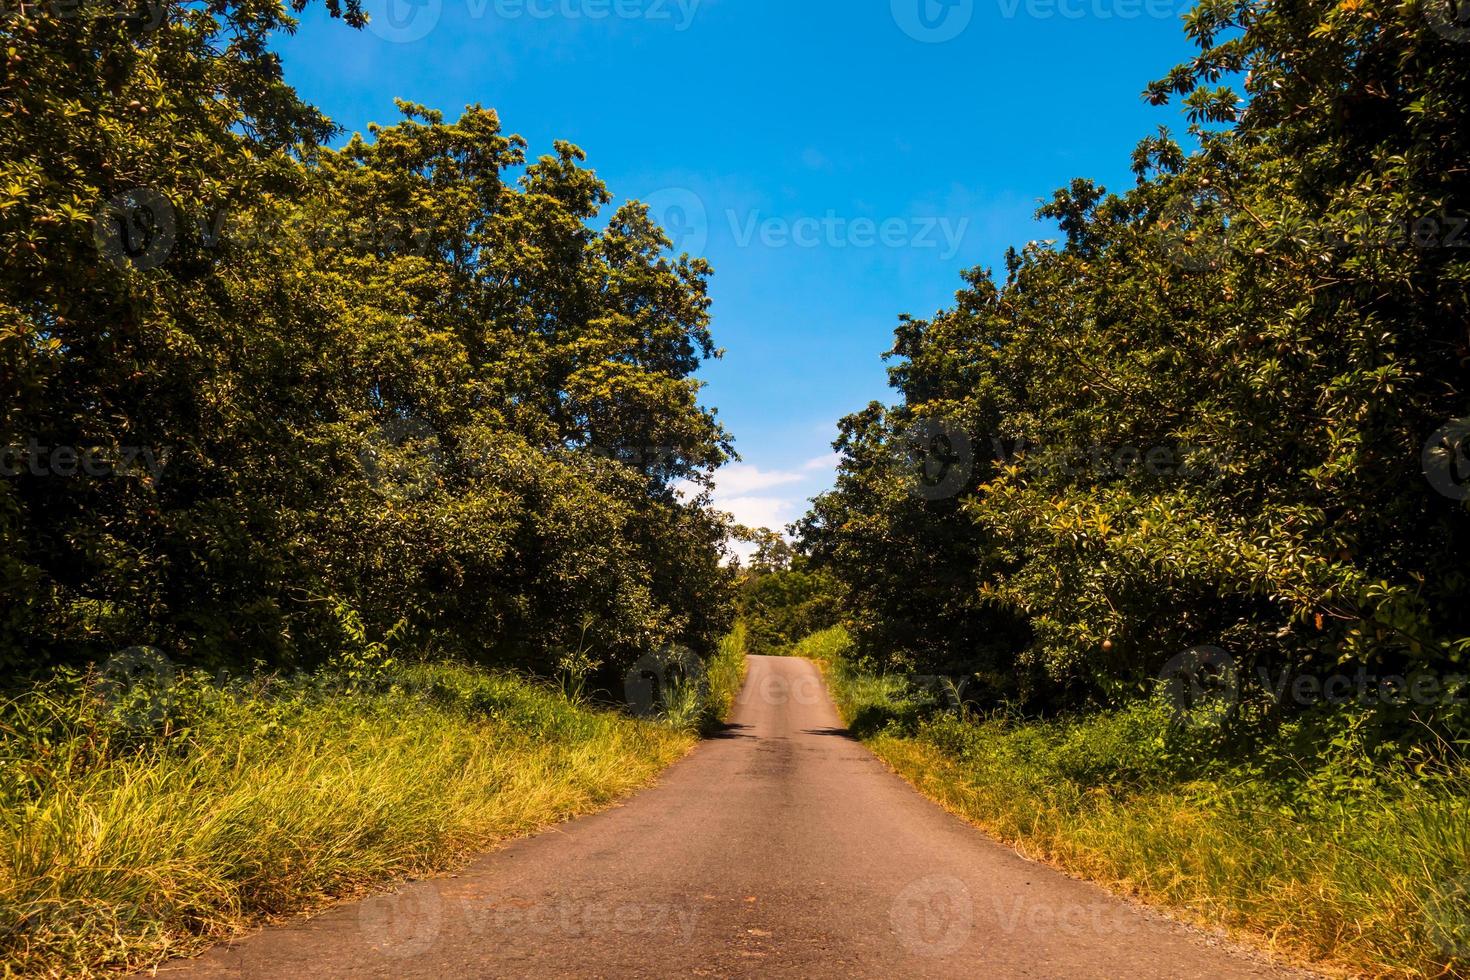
[1203, 413]
[382, 390]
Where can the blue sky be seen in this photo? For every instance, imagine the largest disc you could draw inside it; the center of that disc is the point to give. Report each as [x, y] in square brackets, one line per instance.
[838, 161]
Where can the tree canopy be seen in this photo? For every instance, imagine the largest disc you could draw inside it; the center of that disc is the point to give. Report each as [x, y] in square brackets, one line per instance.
[266, 400]
[1205, 414]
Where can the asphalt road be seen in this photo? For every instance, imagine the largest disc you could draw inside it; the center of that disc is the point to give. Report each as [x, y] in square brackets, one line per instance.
[782, 848]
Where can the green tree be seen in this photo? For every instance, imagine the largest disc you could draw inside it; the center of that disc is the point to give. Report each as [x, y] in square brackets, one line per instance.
[403, 388]
[1201, 416]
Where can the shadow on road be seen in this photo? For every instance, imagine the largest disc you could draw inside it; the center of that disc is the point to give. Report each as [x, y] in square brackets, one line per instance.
[835, 732]
[728, 731]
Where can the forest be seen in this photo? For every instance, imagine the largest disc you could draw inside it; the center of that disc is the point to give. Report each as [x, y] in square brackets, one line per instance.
[358, 499]
[1224, 409]
[399, 391]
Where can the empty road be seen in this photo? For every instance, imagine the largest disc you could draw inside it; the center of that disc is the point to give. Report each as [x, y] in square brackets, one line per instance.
[782, 848]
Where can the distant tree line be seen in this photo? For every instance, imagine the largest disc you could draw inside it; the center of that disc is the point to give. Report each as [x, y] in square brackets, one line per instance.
[266, 401]
[780, 597]
[1226, 408]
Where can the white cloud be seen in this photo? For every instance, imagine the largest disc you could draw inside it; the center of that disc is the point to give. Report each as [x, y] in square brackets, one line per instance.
[772, 512]
[743, 490]
[739, 479]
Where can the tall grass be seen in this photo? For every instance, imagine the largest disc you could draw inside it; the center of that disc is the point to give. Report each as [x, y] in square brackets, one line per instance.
[1302, 841]
[725, 673]
[136, 828]
[704, 699]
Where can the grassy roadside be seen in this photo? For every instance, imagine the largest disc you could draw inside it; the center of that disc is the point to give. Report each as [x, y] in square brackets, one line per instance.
[152, 822]
[1337, 863]
[725, 673]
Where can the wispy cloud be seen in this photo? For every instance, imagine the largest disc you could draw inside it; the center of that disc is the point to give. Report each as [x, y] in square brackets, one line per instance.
[739, 479]
[828, 461]
[769, 498]
[739, 491]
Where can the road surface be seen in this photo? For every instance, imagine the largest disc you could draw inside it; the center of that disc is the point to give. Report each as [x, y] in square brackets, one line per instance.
[781, 848]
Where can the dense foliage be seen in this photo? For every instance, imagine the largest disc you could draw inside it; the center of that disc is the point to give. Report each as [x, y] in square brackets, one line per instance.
[1206, 415]
[266, 400]
[780, 597]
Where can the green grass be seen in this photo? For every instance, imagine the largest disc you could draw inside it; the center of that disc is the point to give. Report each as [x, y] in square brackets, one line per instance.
[701, 702]
[1303, 842]
[725, 673]
[133, 828]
